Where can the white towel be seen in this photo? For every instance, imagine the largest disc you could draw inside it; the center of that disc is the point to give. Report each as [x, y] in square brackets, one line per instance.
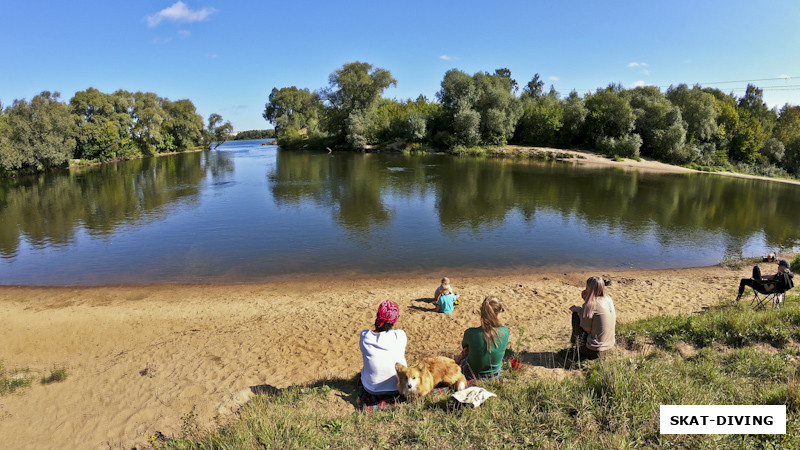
[473, 395]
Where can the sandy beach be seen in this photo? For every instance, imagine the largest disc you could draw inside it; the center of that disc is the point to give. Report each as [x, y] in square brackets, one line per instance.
[140, 358]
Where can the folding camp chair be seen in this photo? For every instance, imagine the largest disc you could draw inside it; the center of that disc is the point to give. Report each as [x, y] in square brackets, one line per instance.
[767, 292]
[761, 299]
[575, 349]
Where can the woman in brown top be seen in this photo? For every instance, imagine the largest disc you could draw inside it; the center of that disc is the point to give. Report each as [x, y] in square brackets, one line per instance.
[594, 322]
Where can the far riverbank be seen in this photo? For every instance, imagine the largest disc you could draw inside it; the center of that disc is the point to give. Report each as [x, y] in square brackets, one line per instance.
[643, 164]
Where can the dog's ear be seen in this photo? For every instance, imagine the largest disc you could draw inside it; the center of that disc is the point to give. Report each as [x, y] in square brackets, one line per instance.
[399, 368]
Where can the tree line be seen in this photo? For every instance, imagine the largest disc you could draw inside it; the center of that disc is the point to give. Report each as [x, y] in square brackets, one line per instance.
[254, 134]
[45, 132]
[695, 126]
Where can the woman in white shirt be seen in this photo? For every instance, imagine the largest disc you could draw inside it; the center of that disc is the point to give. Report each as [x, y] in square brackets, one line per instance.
[381, 348]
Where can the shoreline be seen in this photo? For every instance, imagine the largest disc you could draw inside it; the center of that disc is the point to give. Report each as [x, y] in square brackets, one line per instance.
[645, 164]
[578, 156]
[387, 275]
[76, 164]
[141, 358]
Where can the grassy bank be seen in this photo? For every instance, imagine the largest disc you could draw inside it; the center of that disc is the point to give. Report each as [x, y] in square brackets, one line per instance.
[726, 355]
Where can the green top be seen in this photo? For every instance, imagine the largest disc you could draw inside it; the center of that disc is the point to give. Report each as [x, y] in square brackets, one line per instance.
[483, 362]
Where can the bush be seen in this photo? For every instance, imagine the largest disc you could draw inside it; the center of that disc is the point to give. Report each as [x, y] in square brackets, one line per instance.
[10, 382]
[466, 125]
[56, 374]
[627, 146]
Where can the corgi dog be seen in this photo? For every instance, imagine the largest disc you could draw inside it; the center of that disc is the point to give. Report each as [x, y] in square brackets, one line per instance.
[419, 380]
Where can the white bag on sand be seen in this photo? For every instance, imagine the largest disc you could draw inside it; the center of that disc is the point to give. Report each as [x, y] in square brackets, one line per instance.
[473, 395]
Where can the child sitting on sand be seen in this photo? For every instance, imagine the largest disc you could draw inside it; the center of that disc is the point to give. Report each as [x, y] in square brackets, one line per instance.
[438, 293]
[446, 300]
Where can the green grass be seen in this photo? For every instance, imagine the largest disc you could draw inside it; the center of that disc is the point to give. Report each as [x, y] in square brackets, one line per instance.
[11, 381]
[57, 374]
[734, 325]
[613, 403]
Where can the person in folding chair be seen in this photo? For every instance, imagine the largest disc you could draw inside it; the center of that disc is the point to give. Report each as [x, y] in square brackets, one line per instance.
[768, 284]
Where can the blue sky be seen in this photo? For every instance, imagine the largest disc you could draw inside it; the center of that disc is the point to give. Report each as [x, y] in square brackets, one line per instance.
[227, 56]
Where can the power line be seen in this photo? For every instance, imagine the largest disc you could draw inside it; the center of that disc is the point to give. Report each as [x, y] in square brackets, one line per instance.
[787, 78]
[777, 88]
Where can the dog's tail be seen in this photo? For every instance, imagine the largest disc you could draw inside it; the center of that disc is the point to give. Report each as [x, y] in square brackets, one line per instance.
[461, 384]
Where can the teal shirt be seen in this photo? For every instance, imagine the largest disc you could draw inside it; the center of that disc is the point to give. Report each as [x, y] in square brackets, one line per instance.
[485, 362]
[445, 303]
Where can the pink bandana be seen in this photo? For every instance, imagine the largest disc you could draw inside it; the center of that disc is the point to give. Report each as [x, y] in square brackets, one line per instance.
[387, 313]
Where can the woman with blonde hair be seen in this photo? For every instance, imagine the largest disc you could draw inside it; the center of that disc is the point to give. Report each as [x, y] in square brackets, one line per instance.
[484, 346]
[593, 324]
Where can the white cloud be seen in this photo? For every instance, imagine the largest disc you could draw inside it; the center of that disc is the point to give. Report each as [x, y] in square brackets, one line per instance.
[184, 34]
[639, 83]
[212, 56]
[449, 58]
[637, 64]
[785, 77]
[179, 12]
[554, 78]
[645, 71]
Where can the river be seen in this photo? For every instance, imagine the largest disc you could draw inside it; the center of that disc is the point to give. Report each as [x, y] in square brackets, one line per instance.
[247, 212]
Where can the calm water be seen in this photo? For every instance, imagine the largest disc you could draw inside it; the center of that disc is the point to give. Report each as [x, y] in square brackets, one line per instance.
[247, 212]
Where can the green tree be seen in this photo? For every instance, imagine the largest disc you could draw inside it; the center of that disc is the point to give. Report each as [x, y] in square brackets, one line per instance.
[182, 123]
[254, 134]
[541, 121]
[355, 88]
[506, 73]
[791, 159]
[457, 92]
[416, 126]
[148, 118]
[534, 88]
[787, 131]
[574, 120]
[466, 127]
[787, 128]
[499, 109]
[104, 124]
[773, 151]
[747, 139]
[610, 122]
[660, 125]
[295, 113]
[698, 110]
[37, 135]
[217, 130]
[490, 96]
[409, 120]
[753, 102]
[609, 113]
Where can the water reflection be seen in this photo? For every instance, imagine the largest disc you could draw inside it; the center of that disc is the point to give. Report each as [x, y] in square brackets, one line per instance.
[48, 210]
[479, 194]
[354, 187]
